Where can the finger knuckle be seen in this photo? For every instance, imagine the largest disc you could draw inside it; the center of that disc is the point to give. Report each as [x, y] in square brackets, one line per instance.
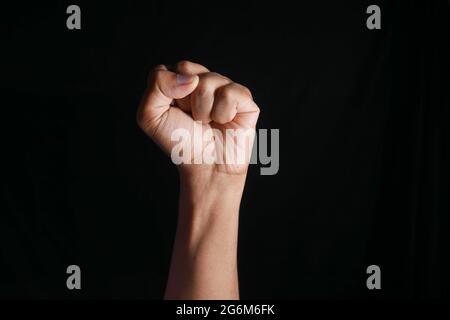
[246, 91]
[227, 94]
[204, 88]
[183, 65]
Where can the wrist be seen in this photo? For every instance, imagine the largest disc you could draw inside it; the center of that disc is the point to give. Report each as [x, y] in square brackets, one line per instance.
[209, 206]
[210, 190]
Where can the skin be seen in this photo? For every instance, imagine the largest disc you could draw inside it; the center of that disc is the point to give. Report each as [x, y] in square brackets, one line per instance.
[204, 259]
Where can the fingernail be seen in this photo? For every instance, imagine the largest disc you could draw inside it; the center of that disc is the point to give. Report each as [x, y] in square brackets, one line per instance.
[184, 79]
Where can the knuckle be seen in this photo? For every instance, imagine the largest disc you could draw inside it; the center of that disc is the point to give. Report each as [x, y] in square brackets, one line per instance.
[183, 65]
[246, 91]
[213, 74]
[159, 67]
[204, 88]
[243, 91]
[227, 94]
[219, 76]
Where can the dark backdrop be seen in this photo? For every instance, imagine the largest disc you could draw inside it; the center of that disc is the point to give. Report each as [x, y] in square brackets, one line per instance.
[364, 142]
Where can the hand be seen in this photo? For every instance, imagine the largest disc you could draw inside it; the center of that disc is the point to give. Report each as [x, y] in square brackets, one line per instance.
[175, 100]
[204, 260]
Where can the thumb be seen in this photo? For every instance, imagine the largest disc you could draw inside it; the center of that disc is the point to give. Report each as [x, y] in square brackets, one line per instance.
[166, 86]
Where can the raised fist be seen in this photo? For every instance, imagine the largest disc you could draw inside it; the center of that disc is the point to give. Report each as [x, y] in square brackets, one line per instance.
[217, 114]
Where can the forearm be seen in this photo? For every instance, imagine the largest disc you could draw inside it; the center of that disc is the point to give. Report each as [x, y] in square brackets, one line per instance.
[204, 260]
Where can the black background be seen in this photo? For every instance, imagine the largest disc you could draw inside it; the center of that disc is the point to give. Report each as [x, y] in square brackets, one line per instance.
[364, 142]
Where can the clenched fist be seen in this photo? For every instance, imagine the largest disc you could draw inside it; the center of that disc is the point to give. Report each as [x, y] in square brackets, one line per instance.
[177, 104]
[189, 96]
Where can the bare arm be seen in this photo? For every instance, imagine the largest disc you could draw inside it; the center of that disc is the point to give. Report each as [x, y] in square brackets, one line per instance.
[204, 264]
[204, 259]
